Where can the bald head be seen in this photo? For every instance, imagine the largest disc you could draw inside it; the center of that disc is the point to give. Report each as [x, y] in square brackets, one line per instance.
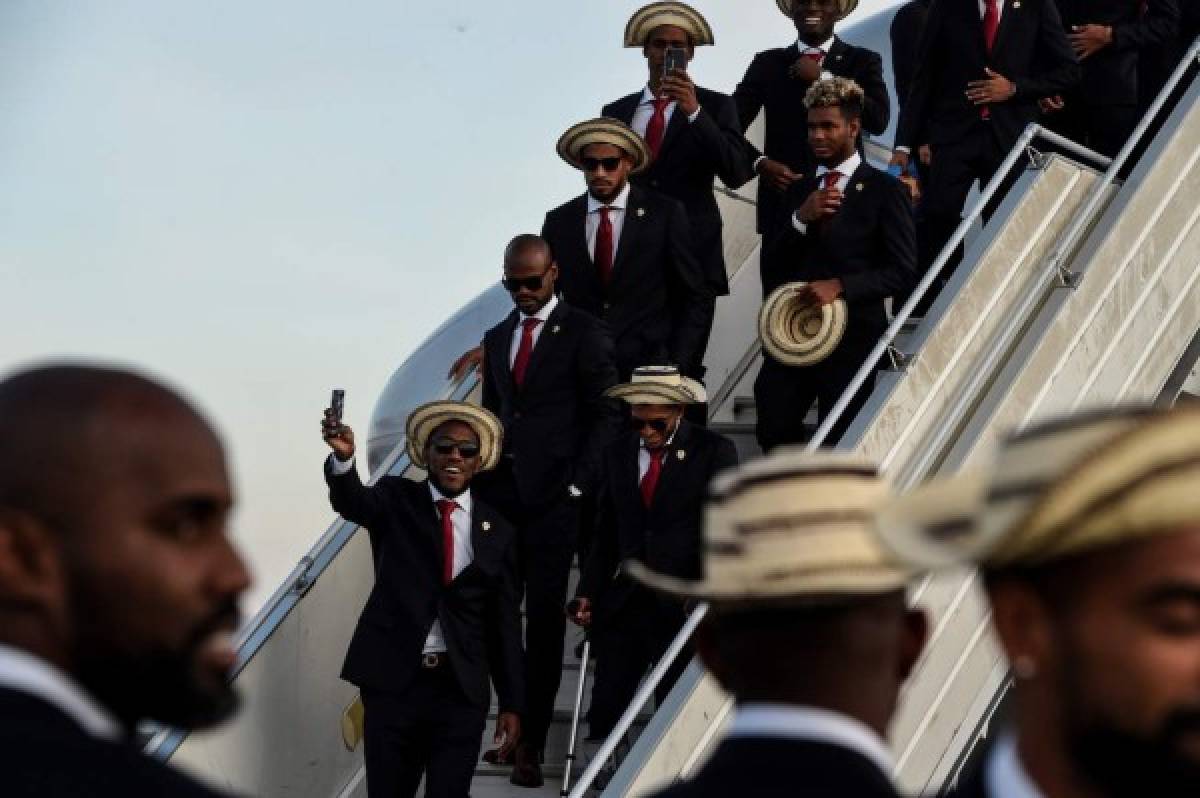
[530, 274]
[528, 245]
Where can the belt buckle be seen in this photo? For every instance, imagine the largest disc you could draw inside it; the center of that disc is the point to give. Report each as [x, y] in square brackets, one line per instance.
[430, 661]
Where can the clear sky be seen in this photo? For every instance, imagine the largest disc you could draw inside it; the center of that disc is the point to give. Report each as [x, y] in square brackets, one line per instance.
[260, 201]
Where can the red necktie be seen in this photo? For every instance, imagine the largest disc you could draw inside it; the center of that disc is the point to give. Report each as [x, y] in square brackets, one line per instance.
[991, 23]
[831, 179]
[524, 351]
[650, 480]
[447, 507]
[658, 125]
[603, 257]
[814, 55]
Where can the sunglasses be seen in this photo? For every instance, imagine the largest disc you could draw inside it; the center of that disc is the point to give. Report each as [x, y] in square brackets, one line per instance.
[593, 164]
[466, 450]
[515, 284]
[659, 425]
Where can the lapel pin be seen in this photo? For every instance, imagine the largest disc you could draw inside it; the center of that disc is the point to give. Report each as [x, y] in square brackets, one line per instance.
[858, 187]
[1017, 4]
[681, 454]
[486, 526]
[556, 329]
[641, 211]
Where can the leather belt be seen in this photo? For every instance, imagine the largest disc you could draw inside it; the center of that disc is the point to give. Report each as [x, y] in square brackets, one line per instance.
[433, 661]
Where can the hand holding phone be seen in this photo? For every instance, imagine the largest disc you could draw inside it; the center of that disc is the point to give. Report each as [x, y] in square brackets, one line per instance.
[339, 437]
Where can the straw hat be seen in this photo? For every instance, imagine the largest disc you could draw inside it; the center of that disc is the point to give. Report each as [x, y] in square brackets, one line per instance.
[1058, 489]
[655, 15]
[800, 335]
[428, 417]
[603, 130]
[659, 385]
[794, 526]
[847, 7]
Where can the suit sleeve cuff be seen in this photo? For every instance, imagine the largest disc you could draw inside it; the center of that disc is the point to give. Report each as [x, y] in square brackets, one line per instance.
[904, 149]
[693, 116]
[758, 162]
[337, 468]
[799, 226]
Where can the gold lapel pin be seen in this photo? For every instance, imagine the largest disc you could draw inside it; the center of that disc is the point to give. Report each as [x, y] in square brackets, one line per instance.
[681, 454]
[486, 526]
[859, 187]
[641, 211]
[556, 329]
[1017, 5]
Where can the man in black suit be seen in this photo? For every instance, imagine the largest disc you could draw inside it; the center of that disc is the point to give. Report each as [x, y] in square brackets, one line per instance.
[118, 582]
[444, 613]
[982, 66]
[692, 132]
[654, 483]
[776, 82]
[546, 368]
[624, 253]
[847, 231]
[905, 33]
[808, 628]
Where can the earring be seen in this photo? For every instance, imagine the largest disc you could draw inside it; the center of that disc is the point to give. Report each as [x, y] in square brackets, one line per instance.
[1024, 667]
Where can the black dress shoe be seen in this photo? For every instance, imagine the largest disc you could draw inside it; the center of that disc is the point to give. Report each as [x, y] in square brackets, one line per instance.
[527, 767]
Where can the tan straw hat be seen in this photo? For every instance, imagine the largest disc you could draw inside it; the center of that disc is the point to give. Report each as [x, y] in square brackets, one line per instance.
[603, 130]
[646, 19]
[793, 526]
[847, 7]
[796, 334]
[1057, 489]
[428, 417]
[659, 385]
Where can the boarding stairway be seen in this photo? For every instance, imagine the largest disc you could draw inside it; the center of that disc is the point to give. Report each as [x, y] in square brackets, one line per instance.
[1081, 290]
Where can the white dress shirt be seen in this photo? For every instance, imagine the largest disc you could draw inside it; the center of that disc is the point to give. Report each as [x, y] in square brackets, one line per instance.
[822, 48]
[645, 112]
[24, 673]
[846, 169]
[999, 9]
[644, 455]
[812, 723]
[616, 215]
[543, 315]
[1005, 776]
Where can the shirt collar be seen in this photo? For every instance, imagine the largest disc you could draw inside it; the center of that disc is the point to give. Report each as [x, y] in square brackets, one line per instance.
[25, 673]
[1005, 775]
[619, 202]
[815, 724]
[845, 168]
[543, 315]
[648, 97]
[823, 46]
[463, 499]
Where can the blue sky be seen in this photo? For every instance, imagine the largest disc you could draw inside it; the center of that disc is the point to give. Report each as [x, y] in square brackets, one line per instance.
[260, 201]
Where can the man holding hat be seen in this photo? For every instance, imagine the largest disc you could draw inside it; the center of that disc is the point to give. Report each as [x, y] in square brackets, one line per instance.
[847, 233]
[625, 255]
[808, 629]
[654, 482]
[444, 613]
[776, 82]
[692, 133]
[1087, 531]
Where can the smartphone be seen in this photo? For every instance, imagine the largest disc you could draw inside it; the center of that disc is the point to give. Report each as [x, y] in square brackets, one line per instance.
[338, 403]
[675, 58]
[895, 170]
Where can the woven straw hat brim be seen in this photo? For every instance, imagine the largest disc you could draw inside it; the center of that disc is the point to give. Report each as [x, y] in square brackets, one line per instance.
[655, 15]
[787, 330]
[603, 131]
[428, 417]
[847, 7]
[842, 581]
[645, 393]
[937, 525]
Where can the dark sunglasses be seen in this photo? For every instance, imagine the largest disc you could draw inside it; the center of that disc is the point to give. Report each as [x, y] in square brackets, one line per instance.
[592, 164]
[659, 425]
[466, 450]
[515, 284]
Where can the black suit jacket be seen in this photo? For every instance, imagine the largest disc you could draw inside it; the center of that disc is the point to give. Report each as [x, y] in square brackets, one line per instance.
[668, 535]
[655, 304]
[1031, 49]
[479, 610]
[46, 755]
[1110, 76]
[767, 87]
[774, 768]
[905, 34]
[558, 423]
[869, 244]
[691, 156]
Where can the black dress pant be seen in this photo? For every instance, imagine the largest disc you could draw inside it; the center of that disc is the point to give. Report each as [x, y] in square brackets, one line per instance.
[628, 644]
[430, 729]
[785, 394]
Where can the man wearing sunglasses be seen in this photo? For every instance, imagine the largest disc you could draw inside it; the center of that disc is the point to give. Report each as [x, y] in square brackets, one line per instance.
[654, 480]
[625, 255]
[444, 614]
[545, 370]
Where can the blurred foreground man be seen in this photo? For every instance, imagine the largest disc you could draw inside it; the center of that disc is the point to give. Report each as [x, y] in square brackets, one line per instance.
[444, 614]
[1087, 531]
[118, 584]
[808, 629]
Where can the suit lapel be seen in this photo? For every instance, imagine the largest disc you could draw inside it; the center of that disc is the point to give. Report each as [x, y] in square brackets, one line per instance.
[501, 369]
[632, 476]
[433, 527]
[675, 127]
[578, 236]
[835, 59]
[675, 464]
[547, 340]
[853, 194]
[1007, 19]
[626, 107]
[631, 229]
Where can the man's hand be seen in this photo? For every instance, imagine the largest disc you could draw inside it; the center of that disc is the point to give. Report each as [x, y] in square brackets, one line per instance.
[925, 154]
[1087, 40]
[777, 175]
[508, 733]
[471, 359]
[995, 89]
[1051, 105]
[339, 437]
[580, 611]
[820, 292]
[679, 87]
[914, 187]
[819, 205]
[805, 69]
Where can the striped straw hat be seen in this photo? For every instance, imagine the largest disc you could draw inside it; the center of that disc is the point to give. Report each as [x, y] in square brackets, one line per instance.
[1057, 489]
[428, 417]
[800, 335]
[646, 19]
[659, 385]
[603, 130]
[788, 7]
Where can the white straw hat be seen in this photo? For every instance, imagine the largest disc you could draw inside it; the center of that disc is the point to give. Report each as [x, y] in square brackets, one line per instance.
[646, 19]
[428, 417]
[796, 334]
[603, 130]
[659, 385]
[847, 7]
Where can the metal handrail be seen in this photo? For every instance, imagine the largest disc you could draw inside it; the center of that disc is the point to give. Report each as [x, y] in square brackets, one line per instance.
[1031, 132]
